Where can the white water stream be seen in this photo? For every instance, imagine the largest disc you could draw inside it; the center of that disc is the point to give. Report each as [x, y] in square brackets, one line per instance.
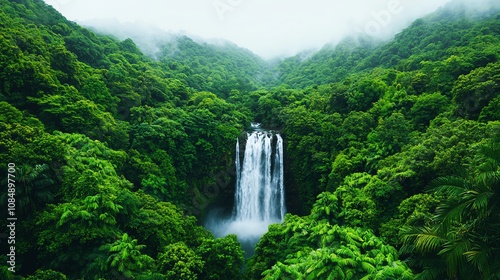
[260, 192]
[259, 188]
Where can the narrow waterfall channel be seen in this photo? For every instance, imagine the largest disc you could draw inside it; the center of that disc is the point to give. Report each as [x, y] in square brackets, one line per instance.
[260, 192]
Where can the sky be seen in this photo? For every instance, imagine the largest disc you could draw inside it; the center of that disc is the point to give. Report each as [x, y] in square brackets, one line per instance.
[269, 28]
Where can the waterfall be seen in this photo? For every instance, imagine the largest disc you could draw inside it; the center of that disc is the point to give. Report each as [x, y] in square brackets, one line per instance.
[259, 199]
[279, 185]
[259, 193]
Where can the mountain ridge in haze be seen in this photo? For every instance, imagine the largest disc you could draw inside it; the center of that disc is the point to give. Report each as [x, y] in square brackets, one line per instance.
[333, 62]
[330, 63]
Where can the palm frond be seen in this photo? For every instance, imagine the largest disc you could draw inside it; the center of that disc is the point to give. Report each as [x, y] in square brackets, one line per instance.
[489, 177]
[425, 239]
[490, 151]
[449, 212]
[454, 254]
[449, 186]
[431, 274]
[481, 201]
[487, 170]
[479, 258]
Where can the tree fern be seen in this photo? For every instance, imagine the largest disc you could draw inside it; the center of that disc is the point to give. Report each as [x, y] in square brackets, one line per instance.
[368, 267]
[125, 256]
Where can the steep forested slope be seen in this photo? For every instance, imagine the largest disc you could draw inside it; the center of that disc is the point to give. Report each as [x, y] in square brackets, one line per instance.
[459, 77]
[102, 137]
[392, 153]
[404, 145]
[450, 30]
[220, 68]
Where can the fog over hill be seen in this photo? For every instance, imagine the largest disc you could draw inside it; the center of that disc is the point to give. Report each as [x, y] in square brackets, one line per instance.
[269, 29]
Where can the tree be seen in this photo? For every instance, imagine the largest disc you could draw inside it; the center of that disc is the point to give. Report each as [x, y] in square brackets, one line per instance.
[367, 92]
[492, 111]
[355, 128]
[416, 210]
[227, 251]
[95, 90]
[362, 200]
[391, 134]
[472, 92]
[47, 275]
[427, 107]
[159, 224]
[82, 44]
[443, 148]
[464, 233]
[125, 256]
[180, 262]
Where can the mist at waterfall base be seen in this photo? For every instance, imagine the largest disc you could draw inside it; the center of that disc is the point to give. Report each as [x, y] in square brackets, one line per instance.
[260, 196]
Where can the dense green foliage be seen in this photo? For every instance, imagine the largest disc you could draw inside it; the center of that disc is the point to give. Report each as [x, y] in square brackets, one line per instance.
[221, 68]
[319, 247]
[110, 149]
[392, 152]
[464, 232]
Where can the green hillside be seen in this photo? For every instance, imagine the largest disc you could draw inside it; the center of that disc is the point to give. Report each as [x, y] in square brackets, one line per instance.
[219, 68]
[111, 158]
[450, 30]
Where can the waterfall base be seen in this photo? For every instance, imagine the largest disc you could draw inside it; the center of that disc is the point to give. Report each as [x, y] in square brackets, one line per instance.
[248, 231]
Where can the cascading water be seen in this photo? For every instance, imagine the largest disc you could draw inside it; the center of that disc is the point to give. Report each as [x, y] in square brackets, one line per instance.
[260, 193]
[259, 187]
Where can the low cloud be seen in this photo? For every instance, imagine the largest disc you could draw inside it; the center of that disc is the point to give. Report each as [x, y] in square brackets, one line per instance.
[268, 28]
